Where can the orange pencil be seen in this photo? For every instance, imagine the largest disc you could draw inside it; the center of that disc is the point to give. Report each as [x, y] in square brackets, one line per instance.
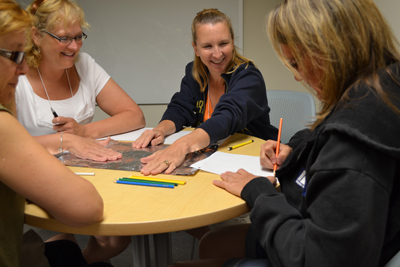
[278, 143]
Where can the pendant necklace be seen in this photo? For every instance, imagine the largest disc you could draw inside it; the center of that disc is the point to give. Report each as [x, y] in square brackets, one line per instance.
[48, 98]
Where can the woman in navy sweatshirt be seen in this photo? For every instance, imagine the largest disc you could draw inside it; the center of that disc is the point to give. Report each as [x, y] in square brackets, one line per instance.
[221, 93]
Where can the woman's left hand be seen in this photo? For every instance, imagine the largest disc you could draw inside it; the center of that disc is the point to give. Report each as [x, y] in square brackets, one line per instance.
[68, 125]
[234, 182]
[167, 159]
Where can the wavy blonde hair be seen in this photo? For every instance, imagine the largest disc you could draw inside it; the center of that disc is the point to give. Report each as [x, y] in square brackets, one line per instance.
[348, 40]
[46, 17]
[200, 71]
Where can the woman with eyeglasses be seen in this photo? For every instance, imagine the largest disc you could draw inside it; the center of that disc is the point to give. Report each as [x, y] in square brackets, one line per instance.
[339, 203]
[27, 170]
[222, 93]
[56, 99]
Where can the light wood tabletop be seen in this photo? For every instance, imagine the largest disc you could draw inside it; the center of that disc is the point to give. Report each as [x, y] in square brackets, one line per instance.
[141, 210]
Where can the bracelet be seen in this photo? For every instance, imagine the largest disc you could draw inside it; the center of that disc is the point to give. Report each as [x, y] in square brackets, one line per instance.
[60, 150]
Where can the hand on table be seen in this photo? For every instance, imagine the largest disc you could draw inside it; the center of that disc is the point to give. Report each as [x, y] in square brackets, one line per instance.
[68, 125]
[234, 182]
[153, 137]
[86, 148]
[268, 155]
[167, 159]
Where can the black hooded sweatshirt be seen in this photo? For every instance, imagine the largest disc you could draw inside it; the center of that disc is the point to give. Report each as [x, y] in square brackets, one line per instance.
[340, 199]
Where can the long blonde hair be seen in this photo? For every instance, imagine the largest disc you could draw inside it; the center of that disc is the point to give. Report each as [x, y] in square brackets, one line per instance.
[200, 71]
[47, 15]
[348, 40]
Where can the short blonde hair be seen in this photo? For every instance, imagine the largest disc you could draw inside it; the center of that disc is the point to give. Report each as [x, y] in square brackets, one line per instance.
[13, 18]
[47, 15]
[199, 71]
[348, 40]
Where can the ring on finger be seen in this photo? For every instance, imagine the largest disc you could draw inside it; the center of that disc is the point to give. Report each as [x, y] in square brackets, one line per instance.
[166, 163]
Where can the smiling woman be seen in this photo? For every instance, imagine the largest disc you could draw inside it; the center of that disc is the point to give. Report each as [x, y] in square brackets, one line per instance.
[214, 46]
[61, 90]
[57, 97]
[221, 93]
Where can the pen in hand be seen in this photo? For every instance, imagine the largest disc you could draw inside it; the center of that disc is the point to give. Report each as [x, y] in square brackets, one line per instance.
[277, 184]
[54, 113]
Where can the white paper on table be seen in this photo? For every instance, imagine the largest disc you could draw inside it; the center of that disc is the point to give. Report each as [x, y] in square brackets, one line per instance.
[132, 136]
[129, 136]
[220, 162]
[175, 136]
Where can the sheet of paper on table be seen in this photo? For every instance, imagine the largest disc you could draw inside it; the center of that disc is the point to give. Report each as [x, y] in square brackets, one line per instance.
[220, 162]
[132, 136]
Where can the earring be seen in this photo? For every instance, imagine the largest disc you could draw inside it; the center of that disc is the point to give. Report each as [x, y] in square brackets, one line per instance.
[38, 49]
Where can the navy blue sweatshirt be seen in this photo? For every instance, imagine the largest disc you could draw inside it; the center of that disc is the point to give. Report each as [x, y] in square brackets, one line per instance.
[243, 108]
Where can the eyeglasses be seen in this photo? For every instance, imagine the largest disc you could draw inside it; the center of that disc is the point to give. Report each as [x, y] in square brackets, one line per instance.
[68, 40]
[14, 56]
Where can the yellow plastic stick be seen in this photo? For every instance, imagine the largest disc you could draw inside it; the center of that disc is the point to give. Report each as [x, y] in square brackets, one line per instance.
[157, 179]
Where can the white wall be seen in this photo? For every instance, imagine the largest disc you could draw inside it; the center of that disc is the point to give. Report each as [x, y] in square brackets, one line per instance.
[146, 45]
[390, 10]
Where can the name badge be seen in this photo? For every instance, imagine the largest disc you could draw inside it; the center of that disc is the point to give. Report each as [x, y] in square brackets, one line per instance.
[301, 180]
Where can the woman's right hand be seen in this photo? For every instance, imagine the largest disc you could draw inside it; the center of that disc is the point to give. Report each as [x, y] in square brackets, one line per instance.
[154, 136]
[268, 156]
[86, 148]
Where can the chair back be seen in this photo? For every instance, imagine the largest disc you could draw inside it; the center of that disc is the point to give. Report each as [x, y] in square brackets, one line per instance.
[395, 261]
[297, 110]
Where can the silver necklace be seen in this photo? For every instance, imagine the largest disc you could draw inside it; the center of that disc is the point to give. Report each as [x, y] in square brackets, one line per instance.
[48, 98]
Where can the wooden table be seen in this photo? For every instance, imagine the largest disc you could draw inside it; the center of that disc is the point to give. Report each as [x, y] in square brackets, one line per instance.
[140, 211]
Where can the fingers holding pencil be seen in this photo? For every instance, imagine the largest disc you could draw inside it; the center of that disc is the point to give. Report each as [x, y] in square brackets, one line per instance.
[268, 155]
[271, 154]
[278, 143]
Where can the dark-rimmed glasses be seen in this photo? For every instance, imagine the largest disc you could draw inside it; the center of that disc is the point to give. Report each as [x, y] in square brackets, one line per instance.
[14, 56]
[66, 39]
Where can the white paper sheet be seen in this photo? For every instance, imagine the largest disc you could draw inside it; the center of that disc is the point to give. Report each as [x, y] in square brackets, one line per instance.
[132, 136]
[173, 137]
[129, 136]
[220, 162]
